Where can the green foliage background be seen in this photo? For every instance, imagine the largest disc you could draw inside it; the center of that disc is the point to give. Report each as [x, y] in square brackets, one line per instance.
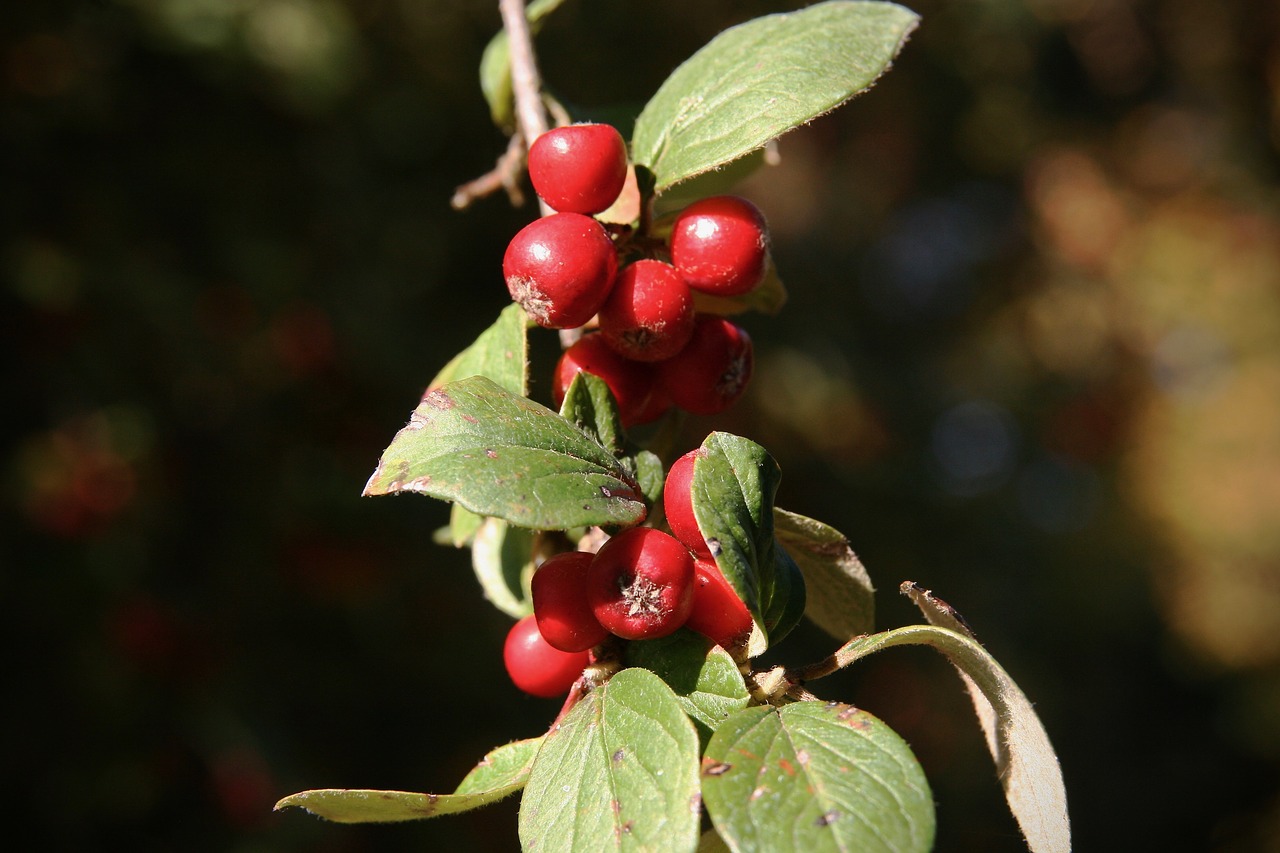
[1029, 362]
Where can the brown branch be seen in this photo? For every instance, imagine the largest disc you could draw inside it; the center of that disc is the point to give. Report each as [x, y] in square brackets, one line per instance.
[526, 83]
[505, 175]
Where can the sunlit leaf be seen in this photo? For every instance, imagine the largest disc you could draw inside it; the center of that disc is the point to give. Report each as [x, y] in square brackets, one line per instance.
[499, 774]
[815, 776]
[756, 81]
[1025, 759]
[505, 456]
[501, 352]
[841, 597]
[706, 681]
[619, 772]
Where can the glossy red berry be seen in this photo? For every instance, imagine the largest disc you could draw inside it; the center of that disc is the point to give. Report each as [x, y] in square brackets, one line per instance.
[718, 612]
[579, 168]
[721, 245]
[560, 269]
[560, 605]
[537, 667]
[641, 584]
[712, 371]
[631, 382]
[677, 503]
[649, 313]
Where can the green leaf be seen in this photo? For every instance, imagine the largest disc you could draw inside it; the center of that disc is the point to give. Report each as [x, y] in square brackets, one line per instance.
[620, 772]
[815, 776]
[732, 493]
[716, 182]
[500, 353]
[495, 66]
[590, 405]
[787, 604]
[1025, 759]
[505, 768]
[706, 681]
[756, 81]
[841, 597]
[500, 773]
[650, 475]
[505, 456]
[502, 557]
[463, 525]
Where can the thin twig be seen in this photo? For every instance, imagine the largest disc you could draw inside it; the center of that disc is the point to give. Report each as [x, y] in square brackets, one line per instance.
[526, 83]
[505, 175]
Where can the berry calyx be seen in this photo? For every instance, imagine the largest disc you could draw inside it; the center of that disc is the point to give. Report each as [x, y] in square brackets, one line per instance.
[631, 382]
[641, 584]
[537, 667]
[721, 245]
[560, 269]
[559, 590]
[718, 613]
[579, 168]
[712, 371]
[649, 313]
[677, 502]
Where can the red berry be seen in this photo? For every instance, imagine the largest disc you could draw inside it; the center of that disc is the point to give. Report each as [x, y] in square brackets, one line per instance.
[631, 382]
[720, 245]
[718, 612]
[649, 313]
[677, 502]
[712, 371]
[560, 269]
[579, 168]
[560, 605]
[537, 667]
[641, 584]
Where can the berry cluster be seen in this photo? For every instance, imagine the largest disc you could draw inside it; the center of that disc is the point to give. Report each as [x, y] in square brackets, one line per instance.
[651, 347]
[642, 584]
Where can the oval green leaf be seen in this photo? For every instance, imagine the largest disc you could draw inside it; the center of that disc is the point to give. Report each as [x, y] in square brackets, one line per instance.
[590, 405]
[501, 455]
[500, 773]
[732, 491]
[620, 772]
[841, 597]
[815, 776]
[501, 352]
[756, 81]
[704, 678]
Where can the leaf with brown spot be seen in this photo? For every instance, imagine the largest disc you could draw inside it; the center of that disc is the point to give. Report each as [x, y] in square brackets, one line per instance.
[504, 456]
[857, 787]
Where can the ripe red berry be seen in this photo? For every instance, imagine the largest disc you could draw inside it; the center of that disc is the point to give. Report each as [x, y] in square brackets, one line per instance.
[649, 313]
[718, 612]
[641, 584]
[712, 371]
[560, 269]
[537, 667]
[560, 605]
[579, 168]
[677, 502]
[631, 382]
[721, 245]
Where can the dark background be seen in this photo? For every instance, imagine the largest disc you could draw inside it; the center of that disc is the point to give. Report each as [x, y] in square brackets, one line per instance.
[1031, 361]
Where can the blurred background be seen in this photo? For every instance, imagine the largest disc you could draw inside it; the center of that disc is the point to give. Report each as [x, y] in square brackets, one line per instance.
[1031, 361]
